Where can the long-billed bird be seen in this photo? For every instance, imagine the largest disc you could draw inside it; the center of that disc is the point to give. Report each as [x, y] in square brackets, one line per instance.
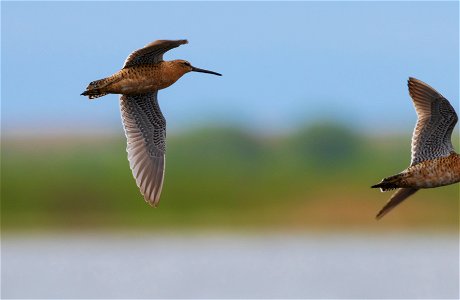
[143, 74]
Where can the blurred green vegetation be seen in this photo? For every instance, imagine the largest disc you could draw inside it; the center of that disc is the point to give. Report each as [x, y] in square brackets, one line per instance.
[219, 178]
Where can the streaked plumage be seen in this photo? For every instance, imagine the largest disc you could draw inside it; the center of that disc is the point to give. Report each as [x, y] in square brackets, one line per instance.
[143, 74]
[434, 162]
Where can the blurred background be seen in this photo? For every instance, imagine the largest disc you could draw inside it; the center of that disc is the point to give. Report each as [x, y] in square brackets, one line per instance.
[267, 185]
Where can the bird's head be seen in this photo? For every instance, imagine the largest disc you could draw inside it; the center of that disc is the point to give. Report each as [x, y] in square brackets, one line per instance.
[186, 67]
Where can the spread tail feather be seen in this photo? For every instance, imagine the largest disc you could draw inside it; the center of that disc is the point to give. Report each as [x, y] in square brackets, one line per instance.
[94, 89]
[92, 94]
[388, 184]
[398, 197]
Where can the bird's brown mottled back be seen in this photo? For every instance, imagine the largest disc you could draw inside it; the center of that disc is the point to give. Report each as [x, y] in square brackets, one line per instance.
[432, 173]
[141, 79]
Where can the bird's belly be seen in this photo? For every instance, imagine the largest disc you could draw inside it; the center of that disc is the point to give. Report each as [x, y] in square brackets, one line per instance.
[434, 173]
[139, 85]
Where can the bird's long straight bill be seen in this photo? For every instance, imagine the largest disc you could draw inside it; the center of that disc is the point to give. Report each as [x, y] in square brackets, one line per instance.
[194, 69]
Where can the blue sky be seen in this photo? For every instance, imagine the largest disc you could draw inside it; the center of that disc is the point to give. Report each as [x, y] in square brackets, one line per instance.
[283, 64]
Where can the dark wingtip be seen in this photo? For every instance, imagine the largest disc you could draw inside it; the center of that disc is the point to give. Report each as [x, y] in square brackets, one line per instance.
[382, 212]
[85, 93]
[411, 80]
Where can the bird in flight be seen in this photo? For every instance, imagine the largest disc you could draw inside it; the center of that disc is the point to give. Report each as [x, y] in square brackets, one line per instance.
[434, 162]
[143, 74]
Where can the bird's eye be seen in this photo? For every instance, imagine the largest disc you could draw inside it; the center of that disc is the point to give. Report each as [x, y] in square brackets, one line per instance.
[187, 63]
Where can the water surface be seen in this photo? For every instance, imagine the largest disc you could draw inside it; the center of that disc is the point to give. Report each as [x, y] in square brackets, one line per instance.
[135, 265]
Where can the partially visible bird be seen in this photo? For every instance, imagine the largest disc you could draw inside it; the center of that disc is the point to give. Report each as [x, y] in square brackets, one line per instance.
[434, 162]
[143, 74]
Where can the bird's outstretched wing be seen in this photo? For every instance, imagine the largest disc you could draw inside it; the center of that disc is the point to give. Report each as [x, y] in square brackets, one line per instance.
[399, 196]
[152, 53]
[145, 129]
[436, 121]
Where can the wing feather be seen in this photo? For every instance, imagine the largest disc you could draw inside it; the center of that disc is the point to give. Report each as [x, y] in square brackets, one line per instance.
[436, 121]
[399, 196]
[152, 53]
[145, 130]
